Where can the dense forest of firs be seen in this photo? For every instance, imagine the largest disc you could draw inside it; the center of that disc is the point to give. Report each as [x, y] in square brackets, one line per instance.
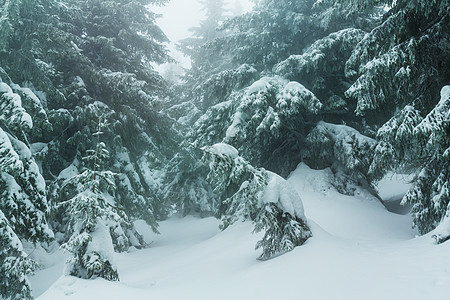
[92, 138]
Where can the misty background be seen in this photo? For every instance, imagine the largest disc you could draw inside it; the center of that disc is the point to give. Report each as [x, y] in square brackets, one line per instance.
[176, 20]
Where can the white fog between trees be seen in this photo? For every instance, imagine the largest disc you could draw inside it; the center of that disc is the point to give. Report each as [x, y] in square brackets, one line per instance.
[302, 149]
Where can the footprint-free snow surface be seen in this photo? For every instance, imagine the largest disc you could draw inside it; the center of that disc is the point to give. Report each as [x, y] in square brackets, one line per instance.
[359, 250]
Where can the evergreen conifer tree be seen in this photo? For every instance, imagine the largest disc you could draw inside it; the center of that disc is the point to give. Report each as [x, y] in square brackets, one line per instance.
[398, 69]
[23, 204]
[82, 59]
[246, 100]
[249, 193]
[89, 211]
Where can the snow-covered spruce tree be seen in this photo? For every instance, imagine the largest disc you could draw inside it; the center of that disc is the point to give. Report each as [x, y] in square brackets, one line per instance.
[399, 69]
[401, 61]
[86, 56]
[279, 32]
[272, 114]
[243, 48]
[207, 30]
[320, 68]
[254, 42]
[249, 193]
[92, 213]
[23, 204]
[205, 63]
[276, 29]
[130, 191]
[413, 143]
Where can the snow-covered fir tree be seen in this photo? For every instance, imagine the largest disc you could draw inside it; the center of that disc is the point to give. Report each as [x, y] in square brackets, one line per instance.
[399, 69]
[76, 56]
[261, 113]
[249, 193]
[130, 189]
[92, 216]
[421, 145]
[204, 60]
[23, 204]
[272, 113]
[276, 29]
[318, 68]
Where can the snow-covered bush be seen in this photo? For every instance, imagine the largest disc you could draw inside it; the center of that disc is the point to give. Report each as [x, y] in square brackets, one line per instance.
[249, 193]
[345, 149]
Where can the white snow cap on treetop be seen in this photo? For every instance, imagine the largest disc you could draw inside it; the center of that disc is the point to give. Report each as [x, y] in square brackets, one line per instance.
[445, 93]
[4, 88]
[222, 149]
[259, 85]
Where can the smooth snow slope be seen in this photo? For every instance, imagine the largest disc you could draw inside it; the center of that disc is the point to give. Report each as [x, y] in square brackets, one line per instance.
[359, 251]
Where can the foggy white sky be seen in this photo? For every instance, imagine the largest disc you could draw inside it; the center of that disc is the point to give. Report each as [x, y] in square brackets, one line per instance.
[180, 15]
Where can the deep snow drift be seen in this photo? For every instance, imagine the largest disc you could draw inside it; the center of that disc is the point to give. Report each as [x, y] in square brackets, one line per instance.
[359, 250]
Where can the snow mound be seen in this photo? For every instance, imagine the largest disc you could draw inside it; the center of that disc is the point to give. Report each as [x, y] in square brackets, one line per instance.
[442, 232]
[359, 251]
[394, 186]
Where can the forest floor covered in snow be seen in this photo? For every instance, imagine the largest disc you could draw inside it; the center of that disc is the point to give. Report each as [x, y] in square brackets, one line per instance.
[359, 250]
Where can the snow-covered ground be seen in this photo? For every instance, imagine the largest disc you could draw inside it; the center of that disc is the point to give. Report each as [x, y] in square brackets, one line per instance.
[359, 250]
